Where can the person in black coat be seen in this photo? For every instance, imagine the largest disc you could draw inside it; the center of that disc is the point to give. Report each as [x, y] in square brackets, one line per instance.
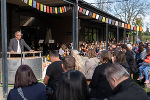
[123, 87]
[100, 87]
[26, 86]
[130, 58]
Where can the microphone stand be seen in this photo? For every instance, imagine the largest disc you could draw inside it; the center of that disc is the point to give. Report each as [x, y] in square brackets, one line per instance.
[21, 50]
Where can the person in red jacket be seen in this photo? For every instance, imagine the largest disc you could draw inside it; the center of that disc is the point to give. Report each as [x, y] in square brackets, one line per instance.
[146, 67]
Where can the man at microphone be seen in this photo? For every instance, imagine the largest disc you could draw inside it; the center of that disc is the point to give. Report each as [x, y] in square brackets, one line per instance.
[17, 44]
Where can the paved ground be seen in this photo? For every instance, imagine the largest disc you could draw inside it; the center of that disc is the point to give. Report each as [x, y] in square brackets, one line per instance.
[1, 92]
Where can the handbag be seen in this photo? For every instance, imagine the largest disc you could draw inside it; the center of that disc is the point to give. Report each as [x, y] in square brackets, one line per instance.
[21, 94]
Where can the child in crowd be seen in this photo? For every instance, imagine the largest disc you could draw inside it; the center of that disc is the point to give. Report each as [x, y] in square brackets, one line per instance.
[145, 66]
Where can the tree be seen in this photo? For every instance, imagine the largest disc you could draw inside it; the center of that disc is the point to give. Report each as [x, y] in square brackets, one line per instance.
[130, 10]
[104, 5]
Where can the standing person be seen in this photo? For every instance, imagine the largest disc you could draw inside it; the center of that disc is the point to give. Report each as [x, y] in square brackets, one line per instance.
[17, 44]
[91, 63]
[130, 58]
[100, 88]
[123, 87]
[26, 86]
[73, 86]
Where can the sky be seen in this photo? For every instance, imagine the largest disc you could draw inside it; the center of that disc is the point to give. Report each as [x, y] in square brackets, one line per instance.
[146, 19]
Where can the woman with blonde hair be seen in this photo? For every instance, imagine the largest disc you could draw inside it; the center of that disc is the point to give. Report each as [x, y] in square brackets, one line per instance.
[80, 61]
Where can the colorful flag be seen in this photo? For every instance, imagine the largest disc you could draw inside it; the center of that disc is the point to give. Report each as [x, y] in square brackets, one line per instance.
[34, 4]
[63, 10]
[109, 21]
[129, 26]
[138, 28]
[126, 26]
[113, 22]
[123, 25]
[80, 10]
[134, 28]
[106, 20]
[41, 7]
[94, 15]
[84, 11]
[141, 29]
[26, 1]
[87, 12]
[38, 6]
[97, 16]
[47, 9]
[119, 24]
[90, 14]
[30, 2]
[100, 18]
[51, 10]
[60, 9]
[56, 10]
[44, 8]
[103, 20]
[116, 23]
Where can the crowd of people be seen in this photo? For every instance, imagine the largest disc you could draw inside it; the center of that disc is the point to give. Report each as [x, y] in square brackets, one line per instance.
[91, 73]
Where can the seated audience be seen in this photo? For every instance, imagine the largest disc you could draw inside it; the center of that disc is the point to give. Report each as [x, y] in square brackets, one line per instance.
[146, 67]
[73, 86]
[26, 86]
[100, 87]
[123, 87]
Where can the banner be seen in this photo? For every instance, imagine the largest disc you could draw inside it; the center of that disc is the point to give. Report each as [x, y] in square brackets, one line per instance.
[30, 2]
[87, 12]
[56, 10]
[129, 26]
[44, 8]
[97, 16]
[138, 28]
[134, 28]
[116, 23]
[123, 25]
[41, 7]
[34, 4]
[80, 10]
[47, 9]
[38, 6]
[51, 10]
[103, 20]
[141, 29]
[94, 15]
[100, 18]
[126, 26]
[109, 21]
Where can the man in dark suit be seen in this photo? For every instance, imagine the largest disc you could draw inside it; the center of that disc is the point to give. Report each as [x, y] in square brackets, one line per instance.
[17, 44]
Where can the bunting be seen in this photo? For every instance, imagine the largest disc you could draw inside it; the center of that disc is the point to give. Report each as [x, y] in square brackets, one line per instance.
[100, 18]
[56, 10]
[126, 26]
[113, 22]
[103, 20]
[87, 12]
[44, 8]
[134, 28]
[41, 7]
[38, 6]
[97, 16]
[26, 1]
[84, 11]
[51, 10]
[94, 15]
[48, 9]
[122, 24]
[60, 9]
[109, 21]
[34, 4]
[129, 26]
[141, 29]
[30, 2]
[80, 10]
[90, 14]
[116, 23]
[138, 28]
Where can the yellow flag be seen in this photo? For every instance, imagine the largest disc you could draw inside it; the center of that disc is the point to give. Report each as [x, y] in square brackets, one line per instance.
[56, 10]
[138, 28]
[41, 7]
[60, 10]
[103, 20]
[30, 2]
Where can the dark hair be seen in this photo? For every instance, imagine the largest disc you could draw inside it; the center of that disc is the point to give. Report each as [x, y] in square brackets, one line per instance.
[124, 46]
[120, 57]
[54, 54]
[73, 86]
[69, 62]
[24, 77]
[91, 53]
[148, 51]
[106, 55]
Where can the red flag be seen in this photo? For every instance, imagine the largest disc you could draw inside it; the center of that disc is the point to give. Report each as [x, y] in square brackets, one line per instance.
[38, 6]
[47, 9]
[51, 10]
[63, 10]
